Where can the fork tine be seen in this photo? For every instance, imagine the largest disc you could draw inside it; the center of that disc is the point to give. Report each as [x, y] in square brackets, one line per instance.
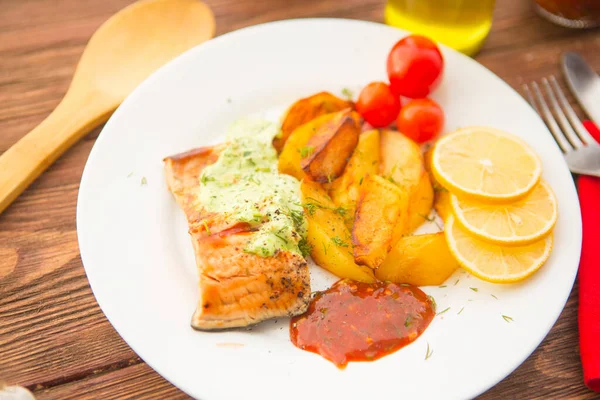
[562, 142]
[560, 115]
[573, 119]
[530, 99]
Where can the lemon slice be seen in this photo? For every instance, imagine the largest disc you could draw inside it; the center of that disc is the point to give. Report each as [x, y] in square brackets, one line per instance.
[494, 263]
[522, 222]
[485, 163]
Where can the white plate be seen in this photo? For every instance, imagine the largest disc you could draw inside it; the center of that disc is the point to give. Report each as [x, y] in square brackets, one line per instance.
[140, 263]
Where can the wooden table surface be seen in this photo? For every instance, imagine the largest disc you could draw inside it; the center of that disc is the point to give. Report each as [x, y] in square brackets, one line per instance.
[54, 339]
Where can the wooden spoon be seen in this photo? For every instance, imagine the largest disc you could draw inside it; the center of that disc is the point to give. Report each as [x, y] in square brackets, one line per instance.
[120, 55]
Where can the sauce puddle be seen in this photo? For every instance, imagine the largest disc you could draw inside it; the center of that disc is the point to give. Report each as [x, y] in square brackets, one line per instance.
[355, 321]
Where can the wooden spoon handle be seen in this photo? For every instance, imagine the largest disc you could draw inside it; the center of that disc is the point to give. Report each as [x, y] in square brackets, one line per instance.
[21, 164]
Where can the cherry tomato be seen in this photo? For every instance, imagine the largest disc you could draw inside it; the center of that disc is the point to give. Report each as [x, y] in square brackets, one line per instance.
[421, 120]
[378, 105]
[414, 67]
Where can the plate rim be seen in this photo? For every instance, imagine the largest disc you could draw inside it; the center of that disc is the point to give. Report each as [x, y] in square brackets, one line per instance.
[182, 58]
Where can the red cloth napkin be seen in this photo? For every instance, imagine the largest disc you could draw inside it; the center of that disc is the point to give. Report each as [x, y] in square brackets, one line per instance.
[589, 275]
[592, 129]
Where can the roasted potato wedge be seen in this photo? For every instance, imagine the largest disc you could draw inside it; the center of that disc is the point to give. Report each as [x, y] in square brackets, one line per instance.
[427, 160]
[330, 148]
[380, 206]
[421, 260]
[331, 245]
[345, 190]
[441, 201]
[305, 110]
[402, 163]
[401, 159]
[420, 203]
[295, 147]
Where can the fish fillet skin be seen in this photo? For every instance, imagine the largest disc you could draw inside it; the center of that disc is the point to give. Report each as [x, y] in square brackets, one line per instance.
[236, 288]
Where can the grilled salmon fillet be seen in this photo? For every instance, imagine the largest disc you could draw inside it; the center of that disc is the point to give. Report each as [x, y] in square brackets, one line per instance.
[236, 288]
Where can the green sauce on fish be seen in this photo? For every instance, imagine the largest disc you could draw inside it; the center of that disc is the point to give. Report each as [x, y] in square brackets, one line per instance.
[245, 184]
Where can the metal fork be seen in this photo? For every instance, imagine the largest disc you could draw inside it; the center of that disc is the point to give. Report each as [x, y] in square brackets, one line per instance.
[582, 154]
[581, 151]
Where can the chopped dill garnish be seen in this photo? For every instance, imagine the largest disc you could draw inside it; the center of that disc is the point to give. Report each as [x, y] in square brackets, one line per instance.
[474, 289]
[329, 179]
[130, 174]
[428, 353]
[253, 179]
[340, 210]
[437, 189]
[315, 200]
[427, 218]
[390, 176]
[296, 216]
[408, 321]
[507, 318]
[461, 310]
[144, 181]
[306, 151]
[324, 248]
[433, 303]
[494, 296]
[304, 247]
[443, 286]
[443, 311]
[206, 227]
[347, 93]
[361, 181]
[339, 242]
[284, 240]
[456, 283]
[205, 179]
[312, 206]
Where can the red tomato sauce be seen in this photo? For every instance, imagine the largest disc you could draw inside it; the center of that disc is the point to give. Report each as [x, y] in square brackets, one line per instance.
[354, 321]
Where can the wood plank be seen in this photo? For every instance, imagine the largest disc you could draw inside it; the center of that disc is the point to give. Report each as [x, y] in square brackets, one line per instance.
[552, 371]
[137, 381]
[52, 329]
[53, 336]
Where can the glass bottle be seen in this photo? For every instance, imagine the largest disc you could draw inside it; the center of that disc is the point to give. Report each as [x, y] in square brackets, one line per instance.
[460, 24]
